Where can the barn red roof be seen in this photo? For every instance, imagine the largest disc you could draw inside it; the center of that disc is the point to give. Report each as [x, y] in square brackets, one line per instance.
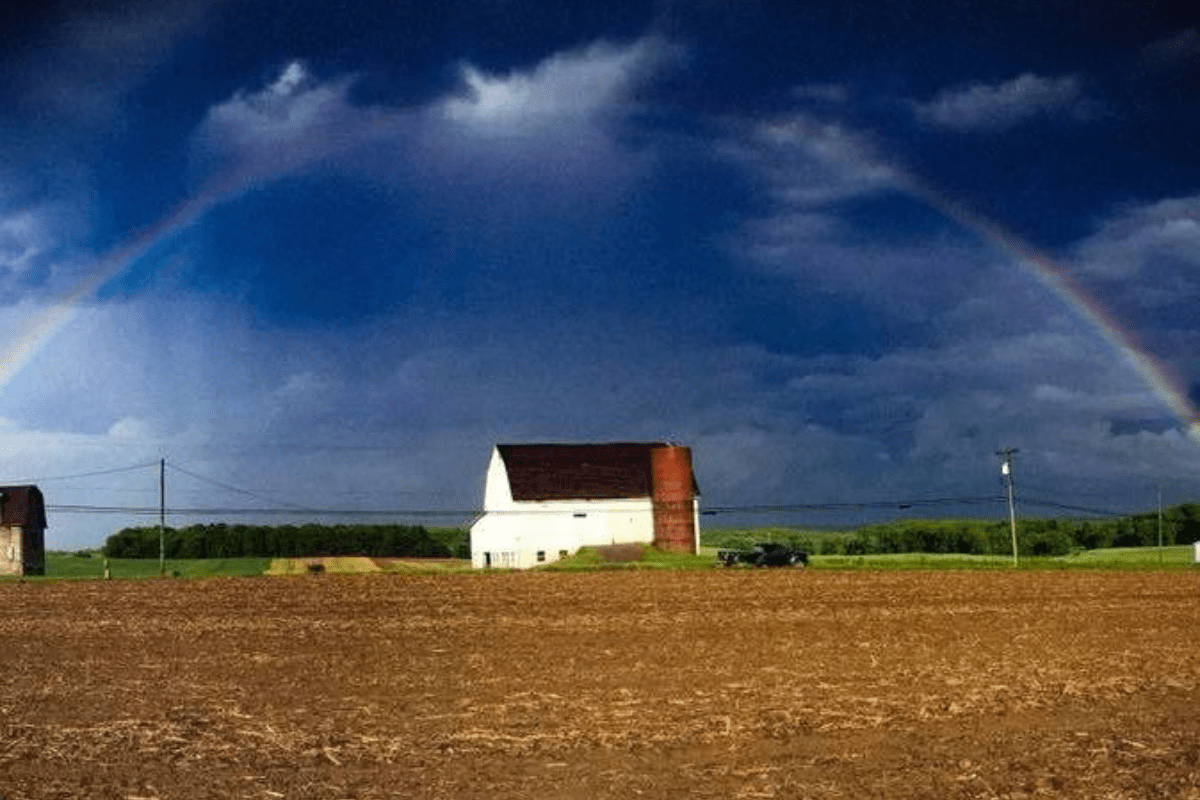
[579, 471]
[22, 505]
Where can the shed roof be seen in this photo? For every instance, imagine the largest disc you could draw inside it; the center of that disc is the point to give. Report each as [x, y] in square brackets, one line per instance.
[580, 471]
[22, 505]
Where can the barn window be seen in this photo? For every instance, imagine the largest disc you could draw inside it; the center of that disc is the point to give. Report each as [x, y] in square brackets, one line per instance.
[580, 515]
[541, 555]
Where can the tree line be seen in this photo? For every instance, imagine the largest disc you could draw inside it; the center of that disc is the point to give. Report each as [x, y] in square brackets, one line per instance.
[1035, 537]
[219, 540]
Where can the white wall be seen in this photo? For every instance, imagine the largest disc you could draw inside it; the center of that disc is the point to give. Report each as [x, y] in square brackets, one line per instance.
[513, 533]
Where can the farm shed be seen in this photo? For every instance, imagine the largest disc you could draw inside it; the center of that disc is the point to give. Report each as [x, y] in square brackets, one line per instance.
[543, 502]
[22, 531]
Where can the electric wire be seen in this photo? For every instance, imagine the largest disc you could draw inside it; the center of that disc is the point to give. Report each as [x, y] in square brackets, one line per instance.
[1100, 512]
[232, 512]
[296, 510]
[854, 506]
[274, 507]
[94, 473]
[227, 487]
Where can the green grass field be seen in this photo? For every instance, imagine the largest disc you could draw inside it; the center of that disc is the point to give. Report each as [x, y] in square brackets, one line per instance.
[742, 538]
[639, 557]
[64, 565]
[1172, 558]
[1117, 558]
[70, 566]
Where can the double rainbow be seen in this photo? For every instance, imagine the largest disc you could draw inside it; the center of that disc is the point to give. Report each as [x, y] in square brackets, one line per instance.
[1055, 278]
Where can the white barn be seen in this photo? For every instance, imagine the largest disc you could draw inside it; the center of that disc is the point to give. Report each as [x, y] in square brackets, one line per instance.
[542, 502]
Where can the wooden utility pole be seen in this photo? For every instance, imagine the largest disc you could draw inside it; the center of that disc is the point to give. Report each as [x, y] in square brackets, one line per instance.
[162, 516]
[1006, 473]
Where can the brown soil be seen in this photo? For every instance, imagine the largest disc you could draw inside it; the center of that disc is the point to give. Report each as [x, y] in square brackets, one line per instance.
[613, 685]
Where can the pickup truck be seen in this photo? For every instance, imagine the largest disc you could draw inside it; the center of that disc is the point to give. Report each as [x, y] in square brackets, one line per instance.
[765, 554]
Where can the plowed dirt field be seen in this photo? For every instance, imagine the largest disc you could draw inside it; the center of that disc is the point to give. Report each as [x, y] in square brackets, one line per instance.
[610, 685]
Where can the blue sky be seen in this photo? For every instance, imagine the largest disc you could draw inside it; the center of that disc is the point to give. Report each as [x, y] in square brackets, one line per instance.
[328, 254]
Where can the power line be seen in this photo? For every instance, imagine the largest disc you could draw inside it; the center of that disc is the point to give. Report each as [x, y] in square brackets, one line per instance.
[231, 512]
[92, 474]
[854, 506]
[295, 510]
[444, 513]
[277, 507]
[228, 487]
[1100, 512]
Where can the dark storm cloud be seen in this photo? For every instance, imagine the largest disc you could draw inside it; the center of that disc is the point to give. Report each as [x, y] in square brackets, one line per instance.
[419, 229]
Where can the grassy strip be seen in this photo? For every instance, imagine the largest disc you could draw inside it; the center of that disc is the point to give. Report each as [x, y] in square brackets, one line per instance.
[59, 565]
[745, 538]
[637, 557]
[66, 566]
[1123, 558]
[1169, 558]
[70, 566]
[1175, 557]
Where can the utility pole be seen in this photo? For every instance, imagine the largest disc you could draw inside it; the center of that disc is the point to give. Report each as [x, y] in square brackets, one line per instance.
[1006, 474]
[162, 516]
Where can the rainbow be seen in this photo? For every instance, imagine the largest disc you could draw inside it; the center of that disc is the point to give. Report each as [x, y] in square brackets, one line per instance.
[237, 182]
[22, 351]
[234, 182]
[1166, 386]
[834, 143]
[1056, 279]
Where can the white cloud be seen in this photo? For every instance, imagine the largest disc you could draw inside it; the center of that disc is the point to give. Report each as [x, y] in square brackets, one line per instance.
[409, 425]
[566, 88]
[287, 124]
[1005, 364]
[37, 248]
[811, 163]
[1162, 238]
[289, 82]
[1143, 265]
[998, 107]
[131, 428]
[810, 169]
[545, 128]
[23, 238]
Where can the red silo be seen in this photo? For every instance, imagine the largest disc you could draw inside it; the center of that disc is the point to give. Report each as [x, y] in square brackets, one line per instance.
[673, 498]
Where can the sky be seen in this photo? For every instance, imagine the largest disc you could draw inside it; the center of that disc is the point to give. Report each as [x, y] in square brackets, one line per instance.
[322, 256]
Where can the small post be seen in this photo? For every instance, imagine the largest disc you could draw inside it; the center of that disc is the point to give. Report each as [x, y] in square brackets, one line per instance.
[1160, 550]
